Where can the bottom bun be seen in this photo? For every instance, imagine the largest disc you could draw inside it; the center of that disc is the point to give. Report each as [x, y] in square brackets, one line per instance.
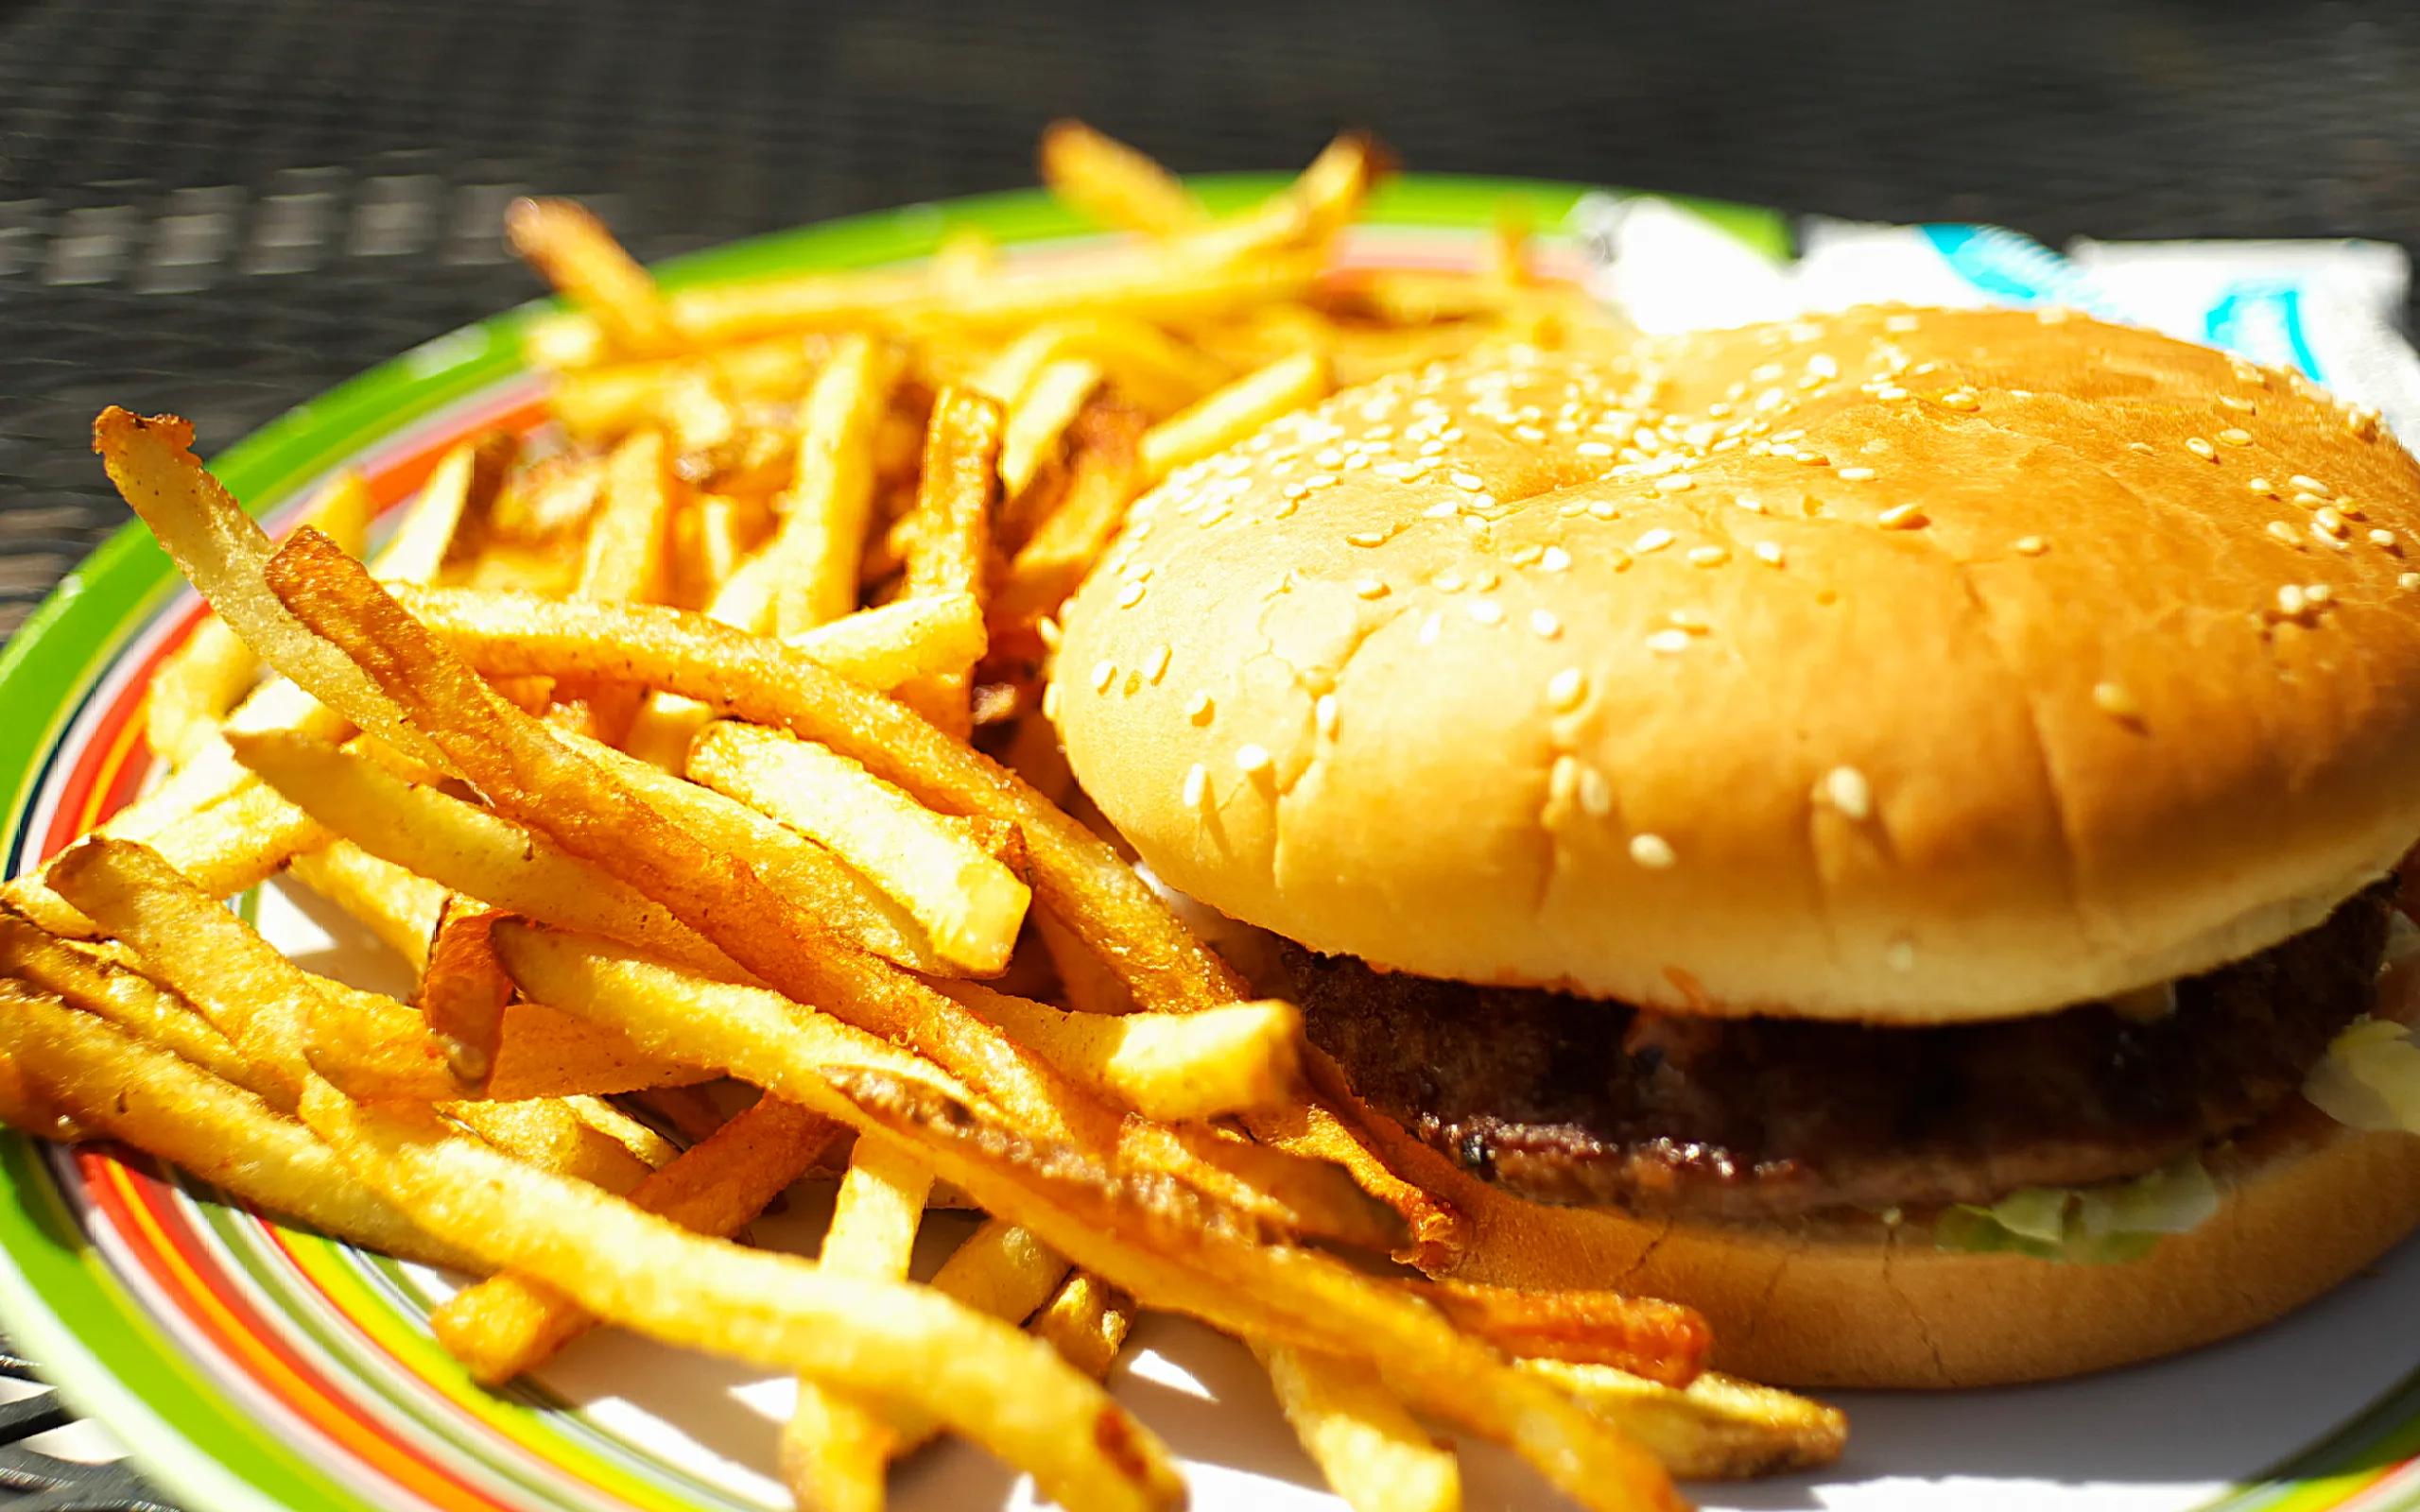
[2304, 1203]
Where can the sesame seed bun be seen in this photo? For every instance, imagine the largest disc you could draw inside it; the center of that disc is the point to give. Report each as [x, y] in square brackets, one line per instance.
[2304, 1203]
[1910, 666]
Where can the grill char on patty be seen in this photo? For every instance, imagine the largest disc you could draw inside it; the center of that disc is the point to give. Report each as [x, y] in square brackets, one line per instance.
[1571, 1100]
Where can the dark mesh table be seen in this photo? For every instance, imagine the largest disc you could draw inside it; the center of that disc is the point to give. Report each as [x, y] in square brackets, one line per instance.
[223, 208]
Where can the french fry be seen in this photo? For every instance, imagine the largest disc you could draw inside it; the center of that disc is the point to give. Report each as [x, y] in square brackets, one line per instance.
[463, 993]
[1150, 367]
[516, 634]
[221, 550]
[1435, 1231]
[195, 686]
[400, 907]
[550, 1135]
[511, 1323]
[1110, 182]
[1241, 1057]
[965, 901]
[1716, 1428]
[1234, 412]
[1009, 1392]
[1039, 416]
[378, 1048]
[949, 546]
[624, 563]
[26, 1109]
[602, 403]
[1103, 478]
[830, 500]
[112, 1084]
[438, 528]
[835, 1447]
[464, 847]
[1086, 1321]
[1373, 1454]
[1178, 1261]
[1660, 1341]
[577, 254]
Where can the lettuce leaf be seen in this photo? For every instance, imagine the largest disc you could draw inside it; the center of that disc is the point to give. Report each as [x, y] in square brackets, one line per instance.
[2105, 1224]
[2369, 1078]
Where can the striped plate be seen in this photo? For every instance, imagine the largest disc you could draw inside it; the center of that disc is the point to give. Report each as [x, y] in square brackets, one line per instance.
[253, 1367]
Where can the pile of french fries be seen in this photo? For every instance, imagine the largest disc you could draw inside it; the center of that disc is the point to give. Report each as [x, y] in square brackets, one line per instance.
[694, 754]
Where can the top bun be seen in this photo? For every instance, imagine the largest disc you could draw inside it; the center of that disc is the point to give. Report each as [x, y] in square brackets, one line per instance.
[1902, 665]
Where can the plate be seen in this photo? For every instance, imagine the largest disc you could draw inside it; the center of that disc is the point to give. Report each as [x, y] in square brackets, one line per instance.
[253, 1367]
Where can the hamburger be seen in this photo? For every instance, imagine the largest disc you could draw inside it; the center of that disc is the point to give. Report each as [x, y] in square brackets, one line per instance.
[1864, 825]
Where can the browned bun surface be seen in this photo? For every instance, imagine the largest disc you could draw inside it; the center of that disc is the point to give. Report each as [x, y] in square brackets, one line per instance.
[1913, 666]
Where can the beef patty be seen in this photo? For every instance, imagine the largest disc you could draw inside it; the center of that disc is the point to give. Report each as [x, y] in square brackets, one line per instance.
[1572, 1100]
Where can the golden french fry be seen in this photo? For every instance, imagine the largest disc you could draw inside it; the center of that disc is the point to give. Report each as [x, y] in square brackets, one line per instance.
[1110, 182]
[381, 1049]
[1039, 416]
[221, 550]
[1436, 1232]
[195, 686]
[400, 907]
[1241, 1057]
[965, 900]
[1373, 1454]
[1716, 1428]
[572, 249]
[835, 1447]
[549, 1134]
[1009, 1392]
[1086, 1321]
[830, 500]
[113, 1084]
[439, 527]
[512, 1322]
[1103, 478]
[624, 563]
[1662, 1341]
[463, 993]
[464, 847]
[1234, 412]
[949, 547]
[602, 403]
[517, 634]
[1150, 367]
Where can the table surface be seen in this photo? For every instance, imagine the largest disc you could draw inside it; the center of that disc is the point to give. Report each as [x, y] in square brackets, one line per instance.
[223, 207]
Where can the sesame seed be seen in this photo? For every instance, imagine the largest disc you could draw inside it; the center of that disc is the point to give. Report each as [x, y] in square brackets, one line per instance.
[1050, 703]
[2408, 581]
[1252, 760]
[1653, 851]
[1370, 587]
[1545, 623]
[1767, 552]
[1687, 619]
[2242, 405]
[1431, 628]
[1130, 596]
[1750, 503]
[1602, 509]
[2382, 538]
[1104, 673]
[1195, 791]
[1847, 790]
[1448, 581]
[2261, 486]
[2282, 531]
[1047, 630]
[1813, 459]
[2031, 545]
[2291, 602]
[1200, 710]
[2235, 436]
[1529, 433]
[1563, 778]
[1467, 482]
[1960, 399]
[1594, 449]
[1900, 517]
[1486, 612]
[1368, 538]
[2200, 447]
[1889, 391]
[1442, 510]
[2326, 518]
[1675, 482]
[1157, 667]
[1568, 689]
[2308, 484]
[1596, 792]
[2309, 501]
[1324, 713]
[2114, 700]
[1554, 560]
[1655, 539]
[2318, 593]
[1669, 643]
[1856, 474]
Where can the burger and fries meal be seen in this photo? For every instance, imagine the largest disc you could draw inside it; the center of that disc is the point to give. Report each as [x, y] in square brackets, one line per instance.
[1378, 810]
